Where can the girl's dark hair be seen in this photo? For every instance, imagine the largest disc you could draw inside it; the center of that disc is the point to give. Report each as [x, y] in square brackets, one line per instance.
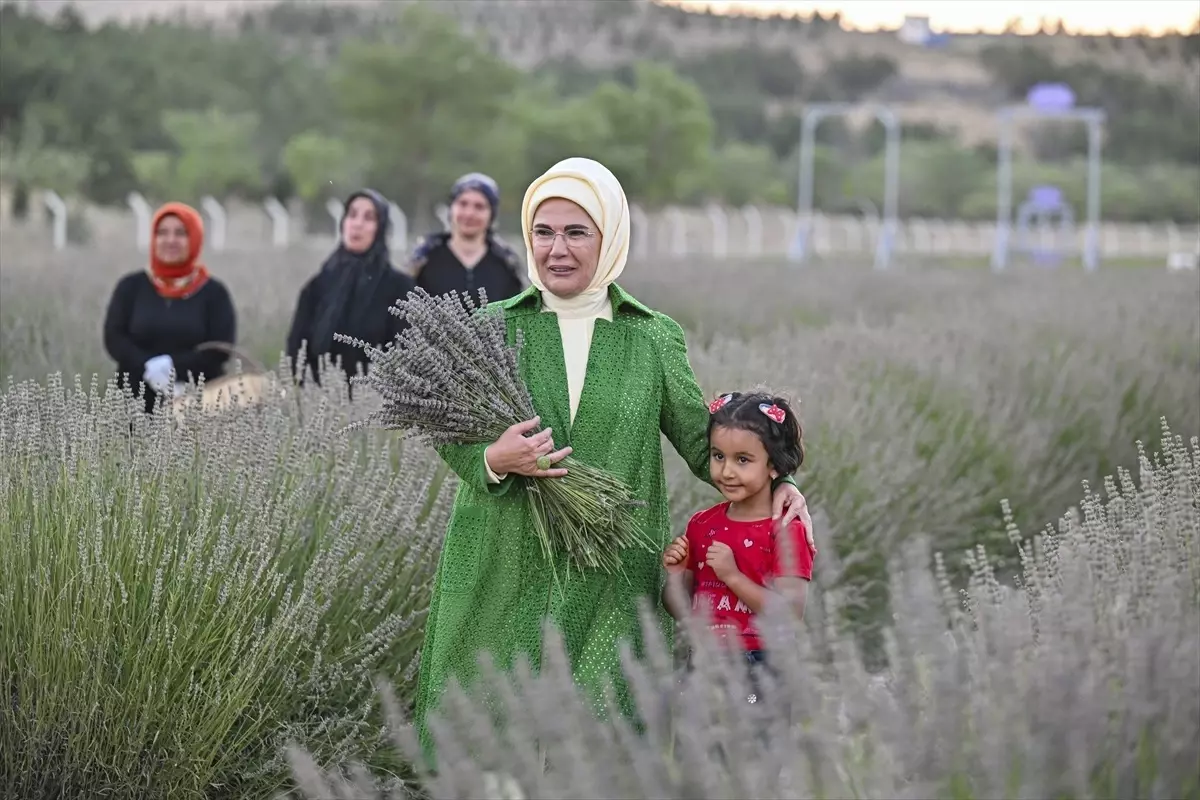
[783, 441]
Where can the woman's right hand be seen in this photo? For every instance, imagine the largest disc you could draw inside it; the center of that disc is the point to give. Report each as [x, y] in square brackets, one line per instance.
[516, 453]
[675, 559]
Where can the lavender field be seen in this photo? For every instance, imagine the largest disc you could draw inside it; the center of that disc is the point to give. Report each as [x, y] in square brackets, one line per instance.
[1002, 470]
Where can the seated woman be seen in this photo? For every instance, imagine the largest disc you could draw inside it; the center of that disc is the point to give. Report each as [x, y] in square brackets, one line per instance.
[471, 256]
[156, 319]
[352, 292]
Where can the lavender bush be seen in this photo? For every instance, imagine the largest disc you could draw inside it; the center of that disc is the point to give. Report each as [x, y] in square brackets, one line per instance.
[178, 600]
[929, 398]
[1080, 682]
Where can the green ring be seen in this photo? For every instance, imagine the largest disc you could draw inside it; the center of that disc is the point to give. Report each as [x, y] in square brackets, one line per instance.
[543, 462]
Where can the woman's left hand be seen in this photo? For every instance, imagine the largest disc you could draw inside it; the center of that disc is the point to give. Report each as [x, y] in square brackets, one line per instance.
[787, 503]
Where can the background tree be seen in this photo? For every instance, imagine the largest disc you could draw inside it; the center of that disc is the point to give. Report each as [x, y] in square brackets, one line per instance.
[321, 167]
[743, 174]
[421, 102]
[403, 95]
[658, 132]
[216, 153]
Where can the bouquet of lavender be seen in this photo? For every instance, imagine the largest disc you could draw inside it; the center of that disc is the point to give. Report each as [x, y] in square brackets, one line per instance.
[452, 378]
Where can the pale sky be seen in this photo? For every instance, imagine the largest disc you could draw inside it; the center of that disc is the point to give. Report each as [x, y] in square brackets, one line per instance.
[1078, 16]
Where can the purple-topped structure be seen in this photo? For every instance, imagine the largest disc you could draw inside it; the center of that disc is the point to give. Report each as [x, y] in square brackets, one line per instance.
[1047, 101]
[1043, 205]
[1046, 198]
[1050, 97]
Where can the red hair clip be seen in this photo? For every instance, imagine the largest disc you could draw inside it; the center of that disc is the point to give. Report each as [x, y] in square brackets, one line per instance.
[719, 403]
[773, 411]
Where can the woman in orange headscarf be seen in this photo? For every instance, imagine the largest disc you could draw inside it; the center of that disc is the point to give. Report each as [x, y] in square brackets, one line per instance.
[157, 317]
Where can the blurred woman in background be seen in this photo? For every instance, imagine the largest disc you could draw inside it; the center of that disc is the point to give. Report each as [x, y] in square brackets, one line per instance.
[158, 318]
[352, 292]
[470, 256]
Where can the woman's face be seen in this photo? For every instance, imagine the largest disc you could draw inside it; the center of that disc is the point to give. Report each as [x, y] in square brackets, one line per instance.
[470, 213]
[360, 225]
[171, 240]
[566, 247]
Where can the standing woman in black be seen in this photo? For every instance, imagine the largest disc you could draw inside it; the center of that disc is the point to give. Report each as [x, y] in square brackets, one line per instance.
[470, 257]
[352, 292]
[156, 318]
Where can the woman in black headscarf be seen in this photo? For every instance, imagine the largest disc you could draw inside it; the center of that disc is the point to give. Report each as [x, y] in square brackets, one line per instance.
[352, 292]
[470, 256]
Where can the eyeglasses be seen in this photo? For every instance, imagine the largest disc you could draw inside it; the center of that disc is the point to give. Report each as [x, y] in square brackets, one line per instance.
[575, 237]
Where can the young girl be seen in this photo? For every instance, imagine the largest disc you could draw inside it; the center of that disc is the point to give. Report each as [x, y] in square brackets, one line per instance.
[730, 557]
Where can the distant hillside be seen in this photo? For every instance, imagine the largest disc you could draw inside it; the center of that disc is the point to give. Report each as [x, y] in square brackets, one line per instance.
[948, 87]
[246, 99]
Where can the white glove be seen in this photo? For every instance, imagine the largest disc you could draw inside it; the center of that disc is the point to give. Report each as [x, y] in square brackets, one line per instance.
[158, 383]
[158, 373]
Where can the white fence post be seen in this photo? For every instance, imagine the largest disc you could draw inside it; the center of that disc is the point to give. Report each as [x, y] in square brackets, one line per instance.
[919, 240]
[216, 218]
[823, 233]
[334, 207]
[939, 233]
[720, 231]
[985, 237]
[57, 209]
[1110, 240]
[754, 230]
[641, 231]
[1182, 257]
[1173, 238]
[399, 227]
[1145, 240]
[279, 221]
[963, 239]
[853, 234]
[141, 217]
[678, 232]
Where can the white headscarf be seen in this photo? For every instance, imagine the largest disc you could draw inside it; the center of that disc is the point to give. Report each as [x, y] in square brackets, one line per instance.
[590, 185]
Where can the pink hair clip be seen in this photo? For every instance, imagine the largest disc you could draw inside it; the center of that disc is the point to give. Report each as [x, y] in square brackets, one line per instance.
[773, 411]
[719, 403]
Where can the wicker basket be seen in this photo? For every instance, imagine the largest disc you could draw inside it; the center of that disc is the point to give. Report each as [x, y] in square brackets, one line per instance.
[250, 388]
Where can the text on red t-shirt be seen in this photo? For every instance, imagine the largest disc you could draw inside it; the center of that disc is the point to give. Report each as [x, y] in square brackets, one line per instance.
[760, 556]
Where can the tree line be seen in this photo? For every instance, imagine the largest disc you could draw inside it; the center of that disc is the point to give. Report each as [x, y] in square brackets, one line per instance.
[309, 102]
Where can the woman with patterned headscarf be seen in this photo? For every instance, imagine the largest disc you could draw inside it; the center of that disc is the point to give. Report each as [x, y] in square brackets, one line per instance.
[470, 256]
[352, 292]
[608, 377]
[156, 318]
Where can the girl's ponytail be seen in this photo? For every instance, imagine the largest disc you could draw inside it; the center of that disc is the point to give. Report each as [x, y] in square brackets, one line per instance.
[793, 434]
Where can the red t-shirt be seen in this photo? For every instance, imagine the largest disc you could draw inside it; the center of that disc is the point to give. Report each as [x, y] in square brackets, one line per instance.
[759, 557]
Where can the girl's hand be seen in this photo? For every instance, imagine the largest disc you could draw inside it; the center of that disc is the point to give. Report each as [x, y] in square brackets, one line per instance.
[516, 453]
[720, 557]
[787, 503]
[675, 559]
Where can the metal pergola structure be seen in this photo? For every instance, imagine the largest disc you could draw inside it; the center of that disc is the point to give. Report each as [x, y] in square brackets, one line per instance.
[813, 116]
[1094, 119]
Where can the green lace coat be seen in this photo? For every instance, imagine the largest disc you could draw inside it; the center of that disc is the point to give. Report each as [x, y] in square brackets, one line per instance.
[493, 588]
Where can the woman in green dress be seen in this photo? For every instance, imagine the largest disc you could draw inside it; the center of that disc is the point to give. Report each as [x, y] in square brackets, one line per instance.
[607, 375]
